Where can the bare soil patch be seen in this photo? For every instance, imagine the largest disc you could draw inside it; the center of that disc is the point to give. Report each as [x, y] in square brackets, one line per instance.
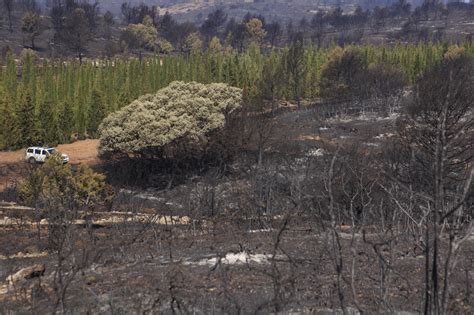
[13, 165]
[84, 151]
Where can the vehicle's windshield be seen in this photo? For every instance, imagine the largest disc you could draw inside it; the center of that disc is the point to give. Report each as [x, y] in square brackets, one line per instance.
[52, 151]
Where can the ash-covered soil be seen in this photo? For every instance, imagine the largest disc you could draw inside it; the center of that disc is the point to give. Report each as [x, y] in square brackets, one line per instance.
[255, 239]
[221, 266]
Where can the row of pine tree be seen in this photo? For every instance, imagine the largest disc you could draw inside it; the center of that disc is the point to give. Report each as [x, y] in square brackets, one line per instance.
[55, 101]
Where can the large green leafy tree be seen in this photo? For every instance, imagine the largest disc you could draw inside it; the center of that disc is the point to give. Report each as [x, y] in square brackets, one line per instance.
[192, 44]
[255, 31]
[182, 120]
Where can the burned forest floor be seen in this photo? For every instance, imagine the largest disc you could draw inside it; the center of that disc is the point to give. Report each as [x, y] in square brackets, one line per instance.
[263, 237]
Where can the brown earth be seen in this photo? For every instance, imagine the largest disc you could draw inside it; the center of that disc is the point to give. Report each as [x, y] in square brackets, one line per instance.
[84, 151]
[12, 164]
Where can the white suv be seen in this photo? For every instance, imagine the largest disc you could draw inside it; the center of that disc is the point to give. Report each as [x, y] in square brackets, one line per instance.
[40, 154]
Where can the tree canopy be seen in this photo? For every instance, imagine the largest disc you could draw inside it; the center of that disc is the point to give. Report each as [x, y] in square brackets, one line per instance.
[341, 71]
[178, 119]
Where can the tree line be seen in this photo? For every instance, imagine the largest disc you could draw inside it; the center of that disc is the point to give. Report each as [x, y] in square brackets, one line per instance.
[53, 101]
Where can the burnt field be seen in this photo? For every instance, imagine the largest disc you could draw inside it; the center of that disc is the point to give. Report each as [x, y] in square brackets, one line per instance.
[304, 221]
[223, 266]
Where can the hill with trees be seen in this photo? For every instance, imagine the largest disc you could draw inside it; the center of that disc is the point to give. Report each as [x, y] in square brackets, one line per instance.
[85, 29]
[237, 163]
[357, 202]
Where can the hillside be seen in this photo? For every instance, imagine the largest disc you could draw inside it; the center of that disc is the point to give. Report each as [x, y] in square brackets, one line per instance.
[282, 10]
[221, 165]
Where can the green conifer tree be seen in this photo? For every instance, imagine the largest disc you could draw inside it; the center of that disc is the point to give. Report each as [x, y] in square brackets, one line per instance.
[11, 80]
[81, 103]
[97, 112]
[66, 123]
[27, 121]
[28, 74]
[48, 123]
[8, 134]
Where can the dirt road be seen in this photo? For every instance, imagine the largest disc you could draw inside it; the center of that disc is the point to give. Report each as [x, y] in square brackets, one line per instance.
[12, 164]
[84, 151]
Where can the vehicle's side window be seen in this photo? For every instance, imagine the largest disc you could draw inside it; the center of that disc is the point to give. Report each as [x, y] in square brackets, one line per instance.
[30, 151]
[37, 151]
[43, 152]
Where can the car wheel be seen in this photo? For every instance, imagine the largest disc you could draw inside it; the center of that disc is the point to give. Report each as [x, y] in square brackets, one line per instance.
[32, 160]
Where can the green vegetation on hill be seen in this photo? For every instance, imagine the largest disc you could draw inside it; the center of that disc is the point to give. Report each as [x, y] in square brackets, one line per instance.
[55, 101]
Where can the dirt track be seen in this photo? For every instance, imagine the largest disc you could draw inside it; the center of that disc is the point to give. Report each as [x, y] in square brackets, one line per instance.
[84, 151]
[80, 152]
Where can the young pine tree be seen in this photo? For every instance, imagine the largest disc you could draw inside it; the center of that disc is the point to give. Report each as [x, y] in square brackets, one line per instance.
[28, 73]
[10, 80]
[123, 99]
[8, 135]
[295, 64]
[49, 129]
[66, 123]
[27, 122]
[81, 104]
[97, 112]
